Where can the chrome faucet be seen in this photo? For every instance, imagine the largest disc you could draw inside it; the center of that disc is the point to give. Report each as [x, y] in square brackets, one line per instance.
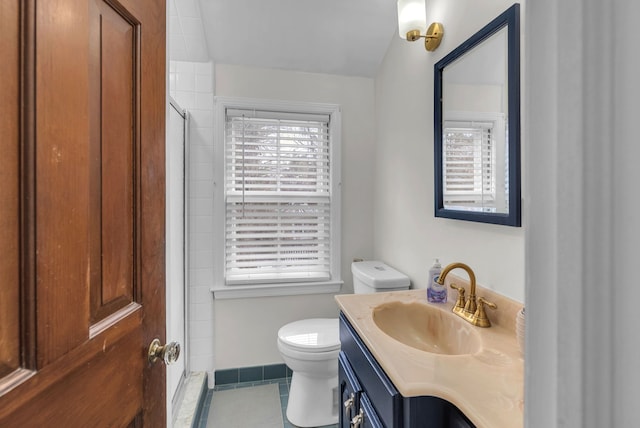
[471, 309]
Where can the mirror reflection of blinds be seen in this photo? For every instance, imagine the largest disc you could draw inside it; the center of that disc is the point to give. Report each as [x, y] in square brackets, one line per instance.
[278, 199]
[469, 164]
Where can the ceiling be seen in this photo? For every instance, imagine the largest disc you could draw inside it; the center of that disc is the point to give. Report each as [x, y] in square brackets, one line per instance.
[345, 37]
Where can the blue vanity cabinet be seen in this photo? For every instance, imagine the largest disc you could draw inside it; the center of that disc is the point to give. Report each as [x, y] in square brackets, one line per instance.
[378, 399]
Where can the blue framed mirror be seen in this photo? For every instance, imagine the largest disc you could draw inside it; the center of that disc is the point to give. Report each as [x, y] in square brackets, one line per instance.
[477, 126]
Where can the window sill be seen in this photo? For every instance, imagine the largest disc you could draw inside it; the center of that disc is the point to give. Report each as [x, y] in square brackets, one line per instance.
[270, 290]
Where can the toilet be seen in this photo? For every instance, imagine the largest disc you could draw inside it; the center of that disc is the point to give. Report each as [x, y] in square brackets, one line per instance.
[310, 348]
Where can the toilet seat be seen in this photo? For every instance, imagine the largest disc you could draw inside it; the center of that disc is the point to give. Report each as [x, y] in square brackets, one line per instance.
[316, 335]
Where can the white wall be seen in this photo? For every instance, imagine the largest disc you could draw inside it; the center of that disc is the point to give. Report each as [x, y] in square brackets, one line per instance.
[407, 235]
[246, 329]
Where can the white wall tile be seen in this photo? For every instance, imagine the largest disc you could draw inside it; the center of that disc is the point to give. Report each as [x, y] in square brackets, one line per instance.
[201, 259]
[201, 311]
[203, 224]
[202, 118]
[201, 363]
[186, 81]
[201, 154]
[202, 136]
[201, 346]
[199, 242]
[186, 99]
[203, 206]
[201, 171]
[201, 293]
[201, 330]
[201, 283]
[200, 189]
[204, 100]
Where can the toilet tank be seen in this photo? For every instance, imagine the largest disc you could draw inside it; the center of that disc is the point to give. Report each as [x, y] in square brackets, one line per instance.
[373, 276]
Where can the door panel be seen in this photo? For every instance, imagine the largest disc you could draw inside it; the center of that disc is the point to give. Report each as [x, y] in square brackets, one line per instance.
[114, 148]
[101, 392]
[82, 212]
[9, 191]
[62, 185]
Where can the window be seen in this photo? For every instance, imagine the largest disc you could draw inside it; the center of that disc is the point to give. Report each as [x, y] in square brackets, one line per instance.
[280, 197]
[472, 165]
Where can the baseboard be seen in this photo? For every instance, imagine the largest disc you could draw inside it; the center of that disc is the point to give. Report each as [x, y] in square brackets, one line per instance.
[252, 374]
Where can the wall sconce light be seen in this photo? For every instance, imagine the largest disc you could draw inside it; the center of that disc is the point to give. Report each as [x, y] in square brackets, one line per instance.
[412, 18]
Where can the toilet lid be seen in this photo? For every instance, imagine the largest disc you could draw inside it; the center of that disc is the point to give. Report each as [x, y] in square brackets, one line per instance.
[311, 335]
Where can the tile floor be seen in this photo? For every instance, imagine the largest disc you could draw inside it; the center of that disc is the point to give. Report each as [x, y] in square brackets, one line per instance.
[283, 384]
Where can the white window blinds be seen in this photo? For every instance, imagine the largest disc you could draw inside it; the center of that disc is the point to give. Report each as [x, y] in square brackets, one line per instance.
[469, 165]
[277, 196]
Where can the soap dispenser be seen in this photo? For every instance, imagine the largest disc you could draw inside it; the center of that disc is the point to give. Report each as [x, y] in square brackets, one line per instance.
[436, 293]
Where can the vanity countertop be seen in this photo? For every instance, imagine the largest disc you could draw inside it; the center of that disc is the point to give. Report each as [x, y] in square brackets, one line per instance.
[488, 386]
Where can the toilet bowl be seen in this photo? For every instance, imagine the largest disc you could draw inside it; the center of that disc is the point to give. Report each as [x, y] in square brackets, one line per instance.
[310, 348]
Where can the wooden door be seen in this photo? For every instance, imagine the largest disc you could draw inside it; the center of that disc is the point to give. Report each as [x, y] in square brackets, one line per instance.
[82, 170]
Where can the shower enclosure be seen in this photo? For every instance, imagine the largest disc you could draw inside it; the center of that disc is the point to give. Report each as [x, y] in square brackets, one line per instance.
[176, 244]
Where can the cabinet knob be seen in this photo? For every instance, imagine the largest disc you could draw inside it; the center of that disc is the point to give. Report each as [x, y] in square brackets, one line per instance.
[348, 405]
[356, 422]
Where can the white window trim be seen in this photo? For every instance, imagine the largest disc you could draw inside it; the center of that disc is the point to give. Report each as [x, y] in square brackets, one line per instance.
[220, 289]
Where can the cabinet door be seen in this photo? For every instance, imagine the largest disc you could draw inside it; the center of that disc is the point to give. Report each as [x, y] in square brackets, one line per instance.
[384, 396]
[369, 416]
[349, 392]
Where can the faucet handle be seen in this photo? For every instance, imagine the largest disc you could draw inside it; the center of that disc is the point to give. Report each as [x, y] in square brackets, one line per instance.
[482, 300]
[480, 318]
[461, 300]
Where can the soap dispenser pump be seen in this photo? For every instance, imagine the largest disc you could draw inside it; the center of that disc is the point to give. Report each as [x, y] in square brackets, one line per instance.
[436, 293]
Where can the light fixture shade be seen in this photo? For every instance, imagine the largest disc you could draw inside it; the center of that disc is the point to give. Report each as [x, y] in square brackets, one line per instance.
[412, 15]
